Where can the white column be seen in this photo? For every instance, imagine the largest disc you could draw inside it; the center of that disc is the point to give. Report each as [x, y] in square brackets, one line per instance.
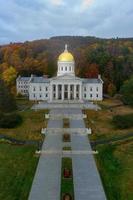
[68, 92]
[74, 92]
[62, 92]
[80, 92]
[51, 93]
[56, 92]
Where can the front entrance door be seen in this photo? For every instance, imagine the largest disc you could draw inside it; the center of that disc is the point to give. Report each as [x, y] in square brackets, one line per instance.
[66, 95]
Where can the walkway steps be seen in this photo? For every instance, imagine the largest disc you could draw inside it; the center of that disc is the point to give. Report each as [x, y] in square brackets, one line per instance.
[66, 130]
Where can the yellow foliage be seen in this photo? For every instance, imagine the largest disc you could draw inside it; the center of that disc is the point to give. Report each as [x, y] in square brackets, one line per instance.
[9, 75]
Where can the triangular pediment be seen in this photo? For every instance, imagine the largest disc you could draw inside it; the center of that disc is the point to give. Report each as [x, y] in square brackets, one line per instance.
[66, 77]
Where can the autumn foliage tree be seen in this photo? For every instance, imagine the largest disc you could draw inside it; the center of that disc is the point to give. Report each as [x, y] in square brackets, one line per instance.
[92, 71]
[111, 89]
[9, 76]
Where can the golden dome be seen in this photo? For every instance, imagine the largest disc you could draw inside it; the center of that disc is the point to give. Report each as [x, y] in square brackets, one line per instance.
[66, 56]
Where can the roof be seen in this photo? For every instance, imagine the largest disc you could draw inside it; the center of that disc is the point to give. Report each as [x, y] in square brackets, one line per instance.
[23, 78]
[40, 80]
[92, 80]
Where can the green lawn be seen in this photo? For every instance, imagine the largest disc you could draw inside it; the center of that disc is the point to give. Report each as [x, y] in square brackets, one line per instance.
[33, 122]
[114, 161]
[101, 121]
[115, 164]
[17, 168]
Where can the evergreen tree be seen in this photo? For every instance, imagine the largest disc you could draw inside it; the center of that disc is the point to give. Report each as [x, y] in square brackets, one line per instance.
[7, 102]
[127, 92]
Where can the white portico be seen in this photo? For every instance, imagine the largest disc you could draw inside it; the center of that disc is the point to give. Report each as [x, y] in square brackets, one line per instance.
[64, 87]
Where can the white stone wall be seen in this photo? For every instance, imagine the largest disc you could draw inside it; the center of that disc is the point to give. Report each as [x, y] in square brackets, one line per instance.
[39, 91]
[92, 91]
[22, 87]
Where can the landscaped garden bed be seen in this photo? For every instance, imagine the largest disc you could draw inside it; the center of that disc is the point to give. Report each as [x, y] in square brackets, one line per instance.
[66, 123]
[67, 187]
[66, 148]
[66, 137]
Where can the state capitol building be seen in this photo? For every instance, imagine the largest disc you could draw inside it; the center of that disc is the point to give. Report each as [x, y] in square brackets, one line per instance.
[62, 88]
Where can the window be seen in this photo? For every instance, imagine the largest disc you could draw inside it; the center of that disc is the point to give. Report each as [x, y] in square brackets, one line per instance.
[84, 95]
[54, 88]
[46, 95]
[90, 88]
[69, 68]
[77, 88]
[34, 89]
[97, 89]
[91, 95]
[46, 88]
[97, 95]
[65, 68]
[40, 96]
[62, 68]
[34, 95]
[40, 89]
[85, 89]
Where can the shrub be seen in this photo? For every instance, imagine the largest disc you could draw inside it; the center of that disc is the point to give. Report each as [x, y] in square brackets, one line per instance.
[127, 92]
[10, 120]
[123, 121]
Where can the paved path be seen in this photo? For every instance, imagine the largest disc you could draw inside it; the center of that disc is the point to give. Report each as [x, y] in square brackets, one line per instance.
[87, 183]
[47, 180]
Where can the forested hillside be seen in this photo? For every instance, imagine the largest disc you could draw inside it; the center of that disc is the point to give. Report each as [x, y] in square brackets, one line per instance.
[112, 58]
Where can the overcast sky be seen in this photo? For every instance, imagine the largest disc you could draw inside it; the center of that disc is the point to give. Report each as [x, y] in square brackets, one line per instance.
[22, 20]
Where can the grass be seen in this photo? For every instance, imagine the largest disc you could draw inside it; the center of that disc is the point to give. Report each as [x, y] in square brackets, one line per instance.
[101, 121]
[17, 168]
[123, 121]
[114, 160]
[67, 186]
[33, 122]
[115, 165]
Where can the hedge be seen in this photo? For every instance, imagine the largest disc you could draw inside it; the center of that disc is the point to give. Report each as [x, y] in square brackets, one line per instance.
[123, 121]
[10, 120]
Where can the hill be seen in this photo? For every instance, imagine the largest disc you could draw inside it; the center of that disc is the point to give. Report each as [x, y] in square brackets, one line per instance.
[112, 58]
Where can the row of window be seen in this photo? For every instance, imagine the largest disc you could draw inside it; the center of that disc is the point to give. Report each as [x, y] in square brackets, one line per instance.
[23, 86]
[91, 95]
[40, 95]
[91, 89]
[66, 68]
[40, 89]
[24, 91]
[22, 82]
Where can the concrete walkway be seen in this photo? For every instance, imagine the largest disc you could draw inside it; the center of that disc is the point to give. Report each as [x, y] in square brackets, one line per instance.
[87, 183]
[47, 180]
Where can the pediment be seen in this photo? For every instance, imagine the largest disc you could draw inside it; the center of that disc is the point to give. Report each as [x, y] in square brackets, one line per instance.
[66, 77]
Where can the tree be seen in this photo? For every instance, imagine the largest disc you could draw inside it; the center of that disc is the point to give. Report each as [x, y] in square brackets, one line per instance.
[7, 102]
[92, 71]
[9, 76]
[127, 92]
[111, 89]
